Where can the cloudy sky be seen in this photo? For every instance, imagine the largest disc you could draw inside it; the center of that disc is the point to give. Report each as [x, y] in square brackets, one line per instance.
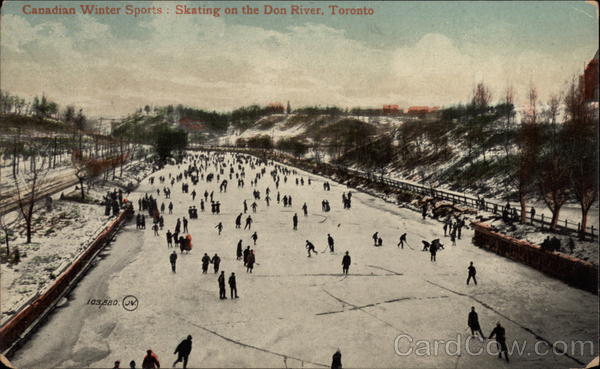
[407, 53]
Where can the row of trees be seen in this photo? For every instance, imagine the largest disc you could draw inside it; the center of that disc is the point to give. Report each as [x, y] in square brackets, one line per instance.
[551, 153]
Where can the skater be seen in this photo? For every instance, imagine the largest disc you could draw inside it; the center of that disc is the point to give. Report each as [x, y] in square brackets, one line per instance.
[346, 263]
[330, 242]
[402, 240]
[472, 273]
[183, 351]
[246, 255]
[219, 227]
[170, 207]
[216, 261]
[254, 205]
[248, 223]
[238, 221]
[185, 225]
[150, 361]
[295, 221]
[445, 229]
[233, 286]
[433, 250]
[205, 262]
[375, 238]
[251, 261]
[254, 237]
[500, 334]
[222, 291]
[336, 360]
[173, 260]
[155, 229]
[245, 207]
[305, 209]
[238, 252]
[424, 211]
[310, 247]
[473, 323]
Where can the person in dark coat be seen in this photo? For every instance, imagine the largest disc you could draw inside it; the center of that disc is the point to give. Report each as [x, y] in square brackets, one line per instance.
[222, 291]
[346, 261]
[233, 286]
[500, 334]
[216, 261]
[205, 262]
[246, 255]
[310, 247]
[239, 252]
[150, 361]
[402, 240]
[173, 260]
[336, 360]
[473, 323]
[433, 250]
[472, 272]
[238, 221]
[330, 242]
[295, 221]
[251, 261]
[254, 237]
[183, 351]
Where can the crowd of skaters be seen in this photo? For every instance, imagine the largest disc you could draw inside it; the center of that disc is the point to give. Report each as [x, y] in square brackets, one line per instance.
[210, 167]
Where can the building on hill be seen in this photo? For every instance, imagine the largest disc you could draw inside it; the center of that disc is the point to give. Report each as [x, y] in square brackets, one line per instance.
[430, 112]
[392, 109]
[191, 126]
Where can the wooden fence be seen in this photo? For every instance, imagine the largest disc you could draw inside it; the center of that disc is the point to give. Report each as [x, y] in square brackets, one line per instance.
[573, 271]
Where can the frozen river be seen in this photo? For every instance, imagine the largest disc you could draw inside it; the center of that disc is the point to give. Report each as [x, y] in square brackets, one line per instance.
[296, 311]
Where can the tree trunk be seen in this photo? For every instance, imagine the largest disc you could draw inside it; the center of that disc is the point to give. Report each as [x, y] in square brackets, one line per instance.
[81, 180]
[555, 212]
[584, 218]
[523, 202]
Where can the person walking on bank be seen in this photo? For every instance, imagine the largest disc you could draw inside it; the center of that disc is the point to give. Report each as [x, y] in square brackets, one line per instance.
[233, 286]
[346, 261]
[473, 323]
[183, 351]
[472, 272]
[173, 260]
[222, 291]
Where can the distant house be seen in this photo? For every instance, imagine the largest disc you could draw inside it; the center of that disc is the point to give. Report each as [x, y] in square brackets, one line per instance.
[424, 111]
[191, 126]
[392, 110]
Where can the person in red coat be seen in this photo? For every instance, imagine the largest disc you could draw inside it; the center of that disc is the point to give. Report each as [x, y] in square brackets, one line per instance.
[150, 361]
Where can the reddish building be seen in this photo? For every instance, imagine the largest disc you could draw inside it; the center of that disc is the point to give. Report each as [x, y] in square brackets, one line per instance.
[590, 80]
[391, 109]
[191, 126]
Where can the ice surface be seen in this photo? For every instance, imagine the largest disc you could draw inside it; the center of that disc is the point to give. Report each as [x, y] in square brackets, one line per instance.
[296, 311]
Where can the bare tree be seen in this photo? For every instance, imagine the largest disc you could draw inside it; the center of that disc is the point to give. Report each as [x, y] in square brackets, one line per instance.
[482, 97]
[28, 183]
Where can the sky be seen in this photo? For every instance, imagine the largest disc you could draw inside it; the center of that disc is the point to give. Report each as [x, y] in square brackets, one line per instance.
[406, 53]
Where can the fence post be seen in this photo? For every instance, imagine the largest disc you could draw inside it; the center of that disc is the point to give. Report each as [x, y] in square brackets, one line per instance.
[542, 221]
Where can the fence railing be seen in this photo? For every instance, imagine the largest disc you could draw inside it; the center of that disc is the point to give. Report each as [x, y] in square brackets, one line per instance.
[509, 213]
